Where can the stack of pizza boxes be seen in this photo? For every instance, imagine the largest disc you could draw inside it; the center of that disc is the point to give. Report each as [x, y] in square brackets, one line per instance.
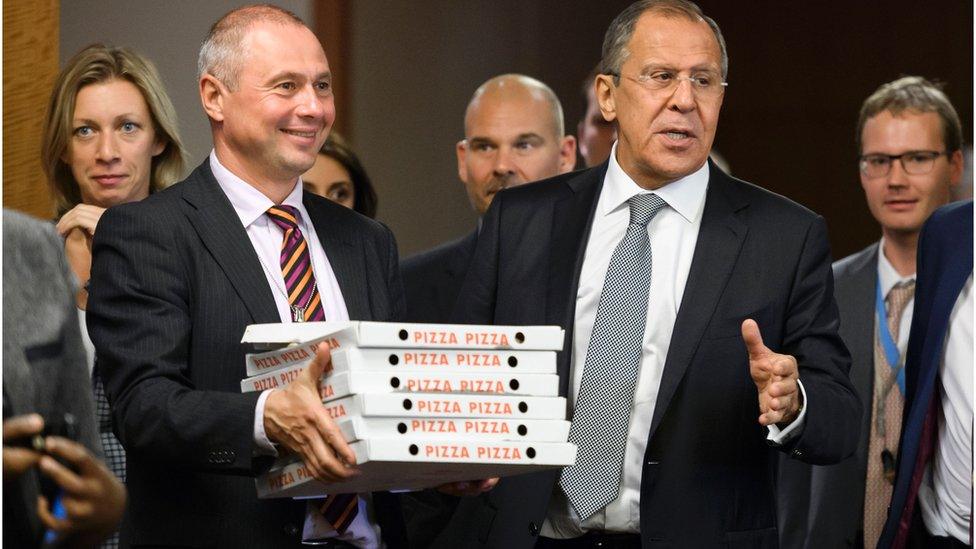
[421, 404]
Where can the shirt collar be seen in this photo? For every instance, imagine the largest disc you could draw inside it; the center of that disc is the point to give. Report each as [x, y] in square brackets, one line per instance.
[887, 275]
[685, 195]
[249, 203]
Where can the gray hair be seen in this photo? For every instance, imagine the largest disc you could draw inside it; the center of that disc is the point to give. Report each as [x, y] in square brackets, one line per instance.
[622, 29]
[913, 93]
[222, 53]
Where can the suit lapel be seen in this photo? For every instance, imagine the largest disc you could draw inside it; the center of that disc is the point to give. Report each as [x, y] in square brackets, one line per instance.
[864, 277]
[220, 229]
[572, 217]
[345, 253]
[719, 241]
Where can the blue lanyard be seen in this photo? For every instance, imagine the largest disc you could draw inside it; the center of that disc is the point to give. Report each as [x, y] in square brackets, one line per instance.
[887, 342]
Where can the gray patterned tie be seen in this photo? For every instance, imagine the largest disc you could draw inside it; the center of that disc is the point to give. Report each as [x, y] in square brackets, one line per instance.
[602, 414]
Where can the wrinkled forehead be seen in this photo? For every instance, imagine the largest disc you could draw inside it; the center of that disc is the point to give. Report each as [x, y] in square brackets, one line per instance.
[675, 41]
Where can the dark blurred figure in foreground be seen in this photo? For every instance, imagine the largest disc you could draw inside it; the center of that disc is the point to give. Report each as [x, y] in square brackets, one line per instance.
[45, 381]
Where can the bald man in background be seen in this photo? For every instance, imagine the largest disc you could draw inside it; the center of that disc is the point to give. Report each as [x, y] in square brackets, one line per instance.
[513, 134]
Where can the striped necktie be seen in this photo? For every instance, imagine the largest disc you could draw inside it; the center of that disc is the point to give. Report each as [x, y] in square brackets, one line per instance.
[296, 267]
[886, 425]
[306, 305]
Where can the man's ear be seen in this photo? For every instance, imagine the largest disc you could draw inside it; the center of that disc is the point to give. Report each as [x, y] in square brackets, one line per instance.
[567, 154]
[956, 165]
[462, 150]
[605, 89]
[212, 96]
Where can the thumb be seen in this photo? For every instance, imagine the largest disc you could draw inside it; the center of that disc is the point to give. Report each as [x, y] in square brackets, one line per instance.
[753, 339]
[321, 364]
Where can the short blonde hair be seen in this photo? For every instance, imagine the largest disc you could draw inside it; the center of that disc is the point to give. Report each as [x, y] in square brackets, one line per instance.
[95, 64]
[914, 94]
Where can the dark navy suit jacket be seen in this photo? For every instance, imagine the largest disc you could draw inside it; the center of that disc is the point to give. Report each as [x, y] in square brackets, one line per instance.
[945, 261]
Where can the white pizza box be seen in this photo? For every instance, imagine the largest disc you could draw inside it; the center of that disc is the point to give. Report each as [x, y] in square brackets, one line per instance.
[446, 405]
[406, 335]
[295, 355]
[444, 360]
[414, 464]
[541, 430]
[336, 385]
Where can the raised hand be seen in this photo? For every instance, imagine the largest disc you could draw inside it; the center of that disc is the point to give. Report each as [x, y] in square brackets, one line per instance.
[82, 216]
[295, 418]
[775, 376]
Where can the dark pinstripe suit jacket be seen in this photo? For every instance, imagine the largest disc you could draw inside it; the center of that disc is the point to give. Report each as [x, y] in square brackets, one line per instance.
[174, 282]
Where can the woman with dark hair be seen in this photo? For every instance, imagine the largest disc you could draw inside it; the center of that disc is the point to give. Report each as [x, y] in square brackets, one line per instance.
[110, 137]
[339, 176]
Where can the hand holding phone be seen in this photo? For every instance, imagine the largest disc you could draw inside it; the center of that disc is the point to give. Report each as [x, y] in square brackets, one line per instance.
[92, 499]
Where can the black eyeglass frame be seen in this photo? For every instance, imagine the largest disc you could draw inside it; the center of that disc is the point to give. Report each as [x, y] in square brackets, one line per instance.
[931, 157]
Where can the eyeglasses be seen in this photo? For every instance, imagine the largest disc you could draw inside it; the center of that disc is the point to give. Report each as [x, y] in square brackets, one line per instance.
[913, 162]
[663, 83]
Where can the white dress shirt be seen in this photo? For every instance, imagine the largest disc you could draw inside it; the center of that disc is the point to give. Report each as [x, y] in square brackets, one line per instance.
[266, 238]
[673, 234]
[946, 492]
[889, 277]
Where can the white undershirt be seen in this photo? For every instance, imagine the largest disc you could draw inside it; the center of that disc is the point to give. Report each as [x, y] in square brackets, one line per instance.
[946, 491]
[673, 234]
[266, 238]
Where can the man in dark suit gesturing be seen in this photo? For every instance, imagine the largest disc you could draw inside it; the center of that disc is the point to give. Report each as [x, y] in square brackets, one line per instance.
[687, 373]
[176, 279]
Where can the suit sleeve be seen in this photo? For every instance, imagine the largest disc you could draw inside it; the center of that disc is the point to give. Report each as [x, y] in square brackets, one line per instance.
[394, 281]
[833, 418]
[140, 321]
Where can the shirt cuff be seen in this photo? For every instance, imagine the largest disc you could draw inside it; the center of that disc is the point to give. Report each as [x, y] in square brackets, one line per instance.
[263, 446]
[779, 436]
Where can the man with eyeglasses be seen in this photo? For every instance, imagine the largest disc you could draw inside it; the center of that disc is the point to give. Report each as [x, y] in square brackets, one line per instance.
[685, 375]
[909, 140]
